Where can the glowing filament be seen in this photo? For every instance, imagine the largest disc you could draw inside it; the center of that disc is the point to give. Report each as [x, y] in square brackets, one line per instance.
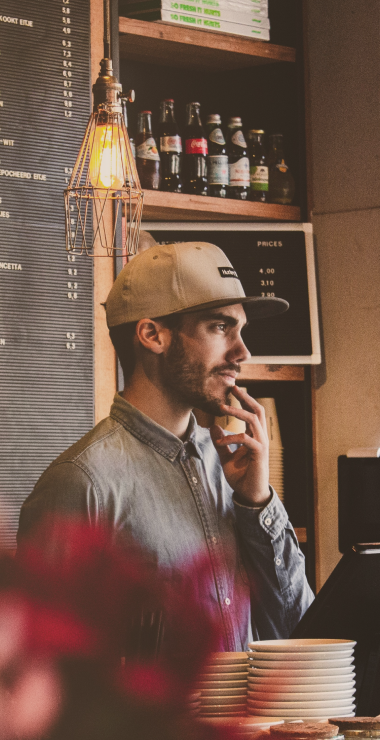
[107, 167]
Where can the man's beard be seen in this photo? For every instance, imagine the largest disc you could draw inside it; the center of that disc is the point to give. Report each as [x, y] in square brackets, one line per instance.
[187, 379]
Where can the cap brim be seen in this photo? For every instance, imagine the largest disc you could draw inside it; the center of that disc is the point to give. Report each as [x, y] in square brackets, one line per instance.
[260, 308]
[256, 307]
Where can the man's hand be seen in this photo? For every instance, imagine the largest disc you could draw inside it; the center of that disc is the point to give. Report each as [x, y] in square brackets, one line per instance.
[246, 469]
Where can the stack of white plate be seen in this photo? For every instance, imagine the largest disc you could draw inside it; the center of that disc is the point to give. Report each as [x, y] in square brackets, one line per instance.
[303, 679]
[193, 702]
[276, 450]
[223, 685]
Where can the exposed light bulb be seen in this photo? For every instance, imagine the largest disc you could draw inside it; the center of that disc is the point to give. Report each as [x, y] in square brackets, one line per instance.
[107, 167]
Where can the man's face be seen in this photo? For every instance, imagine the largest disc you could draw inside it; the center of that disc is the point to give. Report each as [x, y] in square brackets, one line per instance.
[204, 357]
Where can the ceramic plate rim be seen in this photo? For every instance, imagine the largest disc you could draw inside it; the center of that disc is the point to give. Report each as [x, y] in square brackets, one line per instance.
[302, 644]
[312, 680]
[302, 715]
[324, 704]
[288, 665]
[301, 696]
[215, 676]
[301, 657]
[306, 673]
[217, 684]
[254, 686]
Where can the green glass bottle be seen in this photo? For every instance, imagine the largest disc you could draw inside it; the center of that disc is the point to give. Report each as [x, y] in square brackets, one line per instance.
[258, 166]
[281, 181]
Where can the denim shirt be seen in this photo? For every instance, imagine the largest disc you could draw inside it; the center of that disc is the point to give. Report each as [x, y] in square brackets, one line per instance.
[171, 498]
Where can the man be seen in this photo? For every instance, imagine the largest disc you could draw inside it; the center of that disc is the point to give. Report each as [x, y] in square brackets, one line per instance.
[175, 315]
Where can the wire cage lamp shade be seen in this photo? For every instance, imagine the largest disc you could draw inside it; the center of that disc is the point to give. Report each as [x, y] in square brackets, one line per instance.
[104, 190]
[104, 200]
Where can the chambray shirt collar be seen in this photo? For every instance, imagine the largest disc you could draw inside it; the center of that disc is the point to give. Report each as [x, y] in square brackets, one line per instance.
[153, 434]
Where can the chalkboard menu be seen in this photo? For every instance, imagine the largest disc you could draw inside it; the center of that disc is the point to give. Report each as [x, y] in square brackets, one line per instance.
[46, 325]
[271, 260]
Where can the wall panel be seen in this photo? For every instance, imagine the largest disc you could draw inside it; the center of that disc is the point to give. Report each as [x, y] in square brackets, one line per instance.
[46, 296]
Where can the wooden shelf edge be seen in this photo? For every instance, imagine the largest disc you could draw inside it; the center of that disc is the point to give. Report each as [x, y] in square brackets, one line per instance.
[301, 534]
[157, 41]
[271, 372]
[159, 206]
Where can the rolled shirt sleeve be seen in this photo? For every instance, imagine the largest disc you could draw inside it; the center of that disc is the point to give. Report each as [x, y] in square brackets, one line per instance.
[280, 591]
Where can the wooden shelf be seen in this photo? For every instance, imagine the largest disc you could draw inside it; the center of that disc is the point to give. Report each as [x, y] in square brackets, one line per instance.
[301, 534]
[165, 44]
[270, 372]
[159, 206]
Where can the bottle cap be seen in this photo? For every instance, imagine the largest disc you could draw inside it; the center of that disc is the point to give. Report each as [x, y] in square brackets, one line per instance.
[214, 118]
[234, 121]
[168, 100]
[256, 131]
[145, 111]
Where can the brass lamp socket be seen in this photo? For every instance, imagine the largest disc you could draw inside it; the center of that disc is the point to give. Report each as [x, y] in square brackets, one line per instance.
[107, 90]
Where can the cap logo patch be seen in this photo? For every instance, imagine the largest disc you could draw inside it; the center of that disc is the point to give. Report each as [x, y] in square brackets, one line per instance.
[228, 272]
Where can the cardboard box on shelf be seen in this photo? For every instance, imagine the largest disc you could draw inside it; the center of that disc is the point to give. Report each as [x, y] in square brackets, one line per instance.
[201, 7]
[254, 30]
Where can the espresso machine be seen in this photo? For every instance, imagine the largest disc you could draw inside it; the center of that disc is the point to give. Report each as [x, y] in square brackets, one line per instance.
[348, 605]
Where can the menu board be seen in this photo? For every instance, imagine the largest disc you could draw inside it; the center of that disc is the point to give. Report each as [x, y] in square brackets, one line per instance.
[46, 324]
[270, 260]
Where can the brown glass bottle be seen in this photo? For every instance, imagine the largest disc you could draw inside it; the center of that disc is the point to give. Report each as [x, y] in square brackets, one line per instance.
[147, 156]
[281, 180]
[258, 166]
[195, 167]
[170, 146]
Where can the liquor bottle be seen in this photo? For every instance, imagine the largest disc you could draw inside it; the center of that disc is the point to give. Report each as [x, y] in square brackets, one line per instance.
[170, 146]
[258, 166]
[238, 162]
[281, 180]
[217, 159]
[147, 156]
[195, 167]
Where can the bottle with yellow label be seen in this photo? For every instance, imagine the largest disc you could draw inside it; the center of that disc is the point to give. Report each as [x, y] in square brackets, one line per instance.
[281, 180]
[258, 165]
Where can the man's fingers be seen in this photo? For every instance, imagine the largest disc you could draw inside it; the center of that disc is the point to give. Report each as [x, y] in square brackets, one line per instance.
[238, 439]
[254, 424]
[220, 441]
[248, 403]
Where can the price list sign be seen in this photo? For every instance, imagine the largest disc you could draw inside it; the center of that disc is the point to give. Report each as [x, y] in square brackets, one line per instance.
[46, 324]
[273, 260]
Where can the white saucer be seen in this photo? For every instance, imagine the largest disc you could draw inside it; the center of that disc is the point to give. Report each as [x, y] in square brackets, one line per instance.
[301, 645]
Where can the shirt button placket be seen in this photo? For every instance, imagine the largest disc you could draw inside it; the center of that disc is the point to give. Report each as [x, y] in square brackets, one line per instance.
[226, 601]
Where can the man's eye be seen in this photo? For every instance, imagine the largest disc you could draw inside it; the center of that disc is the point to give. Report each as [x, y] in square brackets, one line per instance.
[223, 327]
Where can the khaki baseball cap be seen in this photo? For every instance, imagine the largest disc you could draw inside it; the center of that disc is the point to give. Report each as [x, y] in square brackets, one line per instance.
[179, 278]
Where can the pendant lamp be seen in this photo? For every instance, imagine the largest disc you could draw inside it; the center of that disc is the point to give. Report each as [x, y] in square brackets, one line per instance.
[104, 188]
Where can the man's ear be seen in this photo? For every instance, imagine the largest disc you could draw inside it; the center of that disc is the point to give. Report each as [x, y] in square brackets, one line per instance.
[153, 336]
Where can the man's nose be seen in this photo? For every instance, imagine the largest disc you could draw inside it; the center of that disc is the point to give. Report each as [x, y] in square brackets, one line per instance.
[240, 352]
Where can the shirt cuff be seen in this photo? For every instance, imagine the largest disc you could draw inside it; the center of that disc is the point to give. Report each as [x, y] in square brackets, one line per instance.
[270, 519]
